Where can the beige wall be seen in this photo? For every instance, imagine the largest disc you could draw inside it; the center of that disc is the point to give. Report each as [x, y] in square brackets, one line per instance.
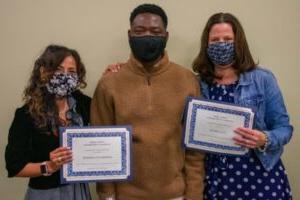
[98, 30]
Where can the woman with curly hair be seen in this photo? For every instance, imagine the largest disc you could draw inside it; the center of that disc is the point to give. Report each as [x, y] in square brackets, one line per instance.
[52, 100]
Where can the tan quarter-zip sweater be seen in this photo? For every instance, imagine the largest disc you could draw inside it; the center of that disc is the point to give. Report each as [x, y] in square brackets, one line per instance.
[153, 103]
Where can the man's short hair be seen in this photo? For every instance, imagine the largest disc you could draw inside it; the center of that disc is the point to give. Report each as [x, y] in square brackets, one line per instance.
[149, 8]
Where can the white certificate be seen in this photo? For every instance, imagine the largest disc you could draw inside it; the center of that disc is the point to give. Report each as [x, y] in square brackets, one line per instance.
[210, 126]
[99, 153]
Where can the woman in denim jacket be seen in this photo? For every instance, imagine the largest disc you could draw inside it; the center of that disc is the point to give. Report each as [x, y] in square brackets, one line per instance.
[229, 74]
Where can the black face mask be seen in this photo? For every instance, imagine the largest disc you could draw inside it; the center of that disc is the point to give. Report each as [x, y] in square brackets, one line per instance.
[147, 48]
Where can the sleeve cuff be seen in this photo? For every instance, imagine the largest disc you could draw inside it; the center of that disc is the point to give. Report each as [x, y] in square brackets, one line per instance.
[267, 144]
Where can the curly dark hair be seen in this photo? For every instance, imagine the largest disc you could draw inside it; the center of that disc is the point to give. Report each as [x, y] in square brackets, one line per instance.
[243, 58]
[149, 8]
[40, 102]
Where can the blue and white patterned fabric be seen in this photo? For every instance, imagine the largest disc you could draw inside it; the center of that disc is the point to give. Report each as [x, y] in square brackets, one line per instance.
[258, 90]
[71, 115]
[221, 53]
[62, 84]
[241, 177]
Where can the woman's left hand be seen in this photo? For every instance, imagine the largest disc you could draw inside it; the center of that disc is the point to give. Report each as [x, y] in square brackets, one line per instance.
[249, 138]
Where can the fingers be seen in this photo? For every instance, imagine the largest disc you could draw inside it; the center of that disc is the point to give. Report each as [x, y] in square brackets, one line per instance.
[244, 142]
[245, 137]
[61, 156]
[248, 137]
[247, 133]
[64, 159]
[60, 149]
[112, 68]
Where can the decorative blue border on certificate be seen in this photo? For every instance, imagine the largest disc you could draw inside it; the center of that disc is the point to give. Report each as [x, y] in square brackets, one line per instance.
[222, 110]
[123, 170]
[192, 124]
[92, 174]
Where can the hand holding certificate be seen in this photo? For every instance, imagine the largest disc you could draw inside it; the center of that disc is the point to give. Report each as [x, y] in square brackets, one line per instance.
[99, 153]
[210, 126]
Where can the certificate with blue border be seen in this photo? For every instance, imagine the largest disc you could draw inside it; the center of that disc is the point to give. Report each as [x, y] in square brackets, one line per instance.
[100, 153]
[210, 125]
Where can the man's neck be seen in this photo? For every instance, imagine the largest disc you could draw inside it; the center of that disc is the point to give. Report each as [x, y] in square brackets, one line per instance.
[150, 65]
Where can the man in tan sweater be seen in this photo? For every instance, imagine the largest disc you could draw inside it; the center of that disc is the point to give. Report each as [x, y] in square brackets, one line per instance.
[149, 93]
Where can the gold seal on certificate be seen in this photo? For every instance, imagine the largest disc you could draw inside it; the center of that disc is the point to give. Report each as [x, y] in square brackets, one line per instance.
[99, 153]
[210, 126]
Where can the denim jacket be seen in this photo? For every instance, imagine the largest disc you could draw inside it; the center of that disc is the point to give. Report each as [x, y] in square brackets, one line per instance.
[258, 89]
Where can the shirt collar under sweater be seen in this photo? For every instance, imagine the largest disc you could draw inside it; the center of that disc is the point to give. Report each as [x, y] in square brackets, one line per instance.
[161, 66]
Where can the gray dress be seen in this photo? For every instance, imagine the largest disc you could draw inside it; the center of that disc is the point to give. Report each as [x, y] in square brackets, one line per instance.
[77, 191]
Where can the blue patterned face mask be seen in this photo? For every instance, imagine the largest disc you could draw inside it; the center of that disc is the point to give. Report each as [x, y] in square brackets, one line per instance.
[221, 53]
[62, 84]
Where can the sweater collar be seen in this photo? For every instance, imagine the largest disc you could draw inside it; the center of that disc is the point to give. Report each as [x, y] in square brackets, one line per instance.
[159, 67]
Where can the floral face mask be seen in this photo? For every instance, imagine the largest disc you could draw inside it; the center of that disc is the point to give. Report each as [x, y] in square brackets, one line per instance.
[62, 84]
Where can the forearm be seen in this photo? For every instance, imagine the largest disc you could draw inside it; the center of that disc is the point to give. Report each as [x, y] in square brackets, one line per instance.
[30, 170]
[34, 169]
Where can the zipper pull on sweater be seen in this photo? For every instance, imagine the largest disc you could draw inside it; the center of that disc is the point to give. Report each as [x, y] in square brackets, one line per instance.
[148, 80]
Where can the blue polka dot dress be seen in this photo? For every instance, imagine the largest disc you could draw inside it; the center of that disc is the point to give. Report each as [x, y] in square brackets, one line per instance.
[241, 177]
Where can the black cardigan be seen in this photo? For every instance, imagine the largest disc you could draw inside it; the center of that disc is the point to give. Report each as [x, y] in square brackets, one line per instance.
[26, 143]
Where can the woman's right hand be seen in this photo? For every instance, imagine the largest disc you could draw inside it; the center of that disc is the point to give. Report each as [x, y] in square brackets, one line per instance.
[58, 157]
[112, 68]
